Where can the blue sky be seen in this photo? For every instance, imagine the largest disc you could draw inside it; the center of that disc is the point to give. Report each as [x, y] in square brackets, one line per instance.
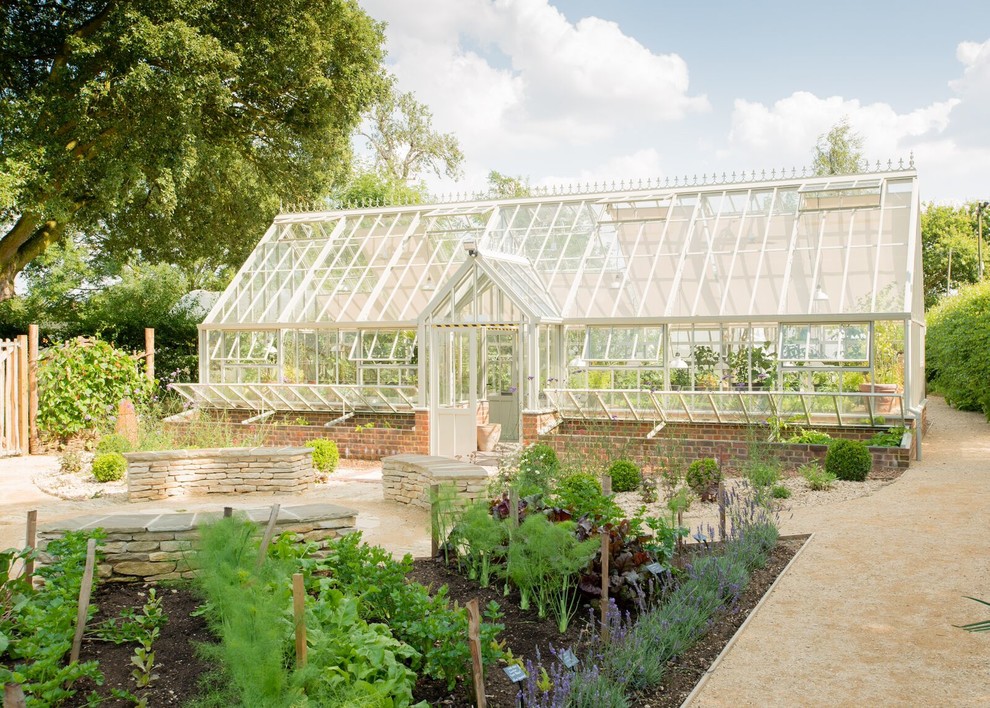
[580, 90]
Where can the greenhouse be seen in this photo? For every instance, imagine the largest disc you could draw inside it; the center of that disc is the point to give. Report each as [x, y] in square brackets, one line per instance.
[728, 300]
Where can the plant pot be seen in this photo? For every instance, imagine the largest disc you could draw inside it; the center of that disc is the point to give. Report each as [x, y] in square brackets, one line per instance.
[883, 404]
[488, 435]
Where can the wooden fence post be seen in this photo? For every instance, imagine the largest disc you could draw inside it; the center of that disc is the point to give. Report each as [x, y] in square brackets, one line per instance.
[228, 511]
[299, 614]
[23, 395]
[149, 353]
[680, 524]
[269, 532]
[474, 640]
[607, 485]
[721, 511]
[514, 507]
[13, 696]
[84, 592]
[606, 542]
[33, 443]
[30, 543]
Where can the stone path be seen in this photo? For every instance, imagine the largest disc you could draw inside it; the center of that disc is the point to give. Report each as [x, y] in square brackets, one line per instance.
[864, 618]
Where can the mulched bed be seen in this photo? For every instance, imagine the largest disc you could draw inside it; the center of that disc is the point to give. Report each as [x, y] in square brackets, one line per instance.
[179, 668]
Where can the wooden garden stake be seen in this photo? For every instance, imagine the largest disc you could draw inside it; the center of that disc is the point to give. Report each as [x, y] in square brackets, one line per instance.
[680, 524]
[149, 353]
[474, 640]
[13, 696]
[721, 511]
[228, 511]
[605, 551]
[269, 532]
[84, 592]
[514, 507]
[30, 543]
[607, 485]
[434, 521]
[299, 614]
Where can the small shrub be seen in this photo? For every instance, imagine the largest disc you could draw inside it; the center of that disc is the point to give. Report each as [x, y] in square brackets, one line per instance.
[811, 437]
[649, 491]
[763, 474]
[702, 476]
[325, 455]
[70, 462]
[581, 494]
[818, 479]
[109, 467]
[625, 475]
[113, 443]
[849, 460]
[779, 491]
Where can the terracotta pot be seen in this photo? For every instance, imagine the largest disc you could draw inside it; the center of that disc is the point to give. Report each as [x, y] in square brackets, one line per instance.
[883, 404]
[488, 436]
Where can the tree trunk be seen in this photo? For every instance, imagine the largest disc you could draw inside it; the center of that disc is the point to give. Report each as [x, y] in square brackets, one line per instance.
[26, 240]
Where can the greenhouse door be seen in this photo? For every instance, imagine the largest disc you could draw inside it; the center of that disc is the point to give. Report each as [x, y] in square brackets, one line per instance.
[503, 381]
[454, 383]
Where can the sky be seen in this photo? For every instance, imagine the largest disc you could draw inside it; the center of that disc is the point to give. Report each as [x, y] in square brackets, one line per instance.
[559, 91]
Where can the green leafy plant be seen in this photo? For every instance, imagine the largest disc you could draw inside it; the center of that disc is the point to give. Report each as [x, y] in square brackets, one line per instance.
[70, 462]
[580, 493]
[325, 455]
[817, 478]
[649, 492]
[810, 437]
[149, 624]
[779, 491]
[81, 383]
[889, 438]
[703, 477]
[763, 474]
[539, 467]
[37, 624]
[483, 535]
[109, 467]
[113, 442]
[957, 348]
[625, 475]
[848, 460]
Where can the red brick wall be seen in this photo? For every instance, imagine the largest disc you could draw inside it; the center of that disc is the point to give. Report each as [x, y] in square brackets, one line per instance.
[609, 440]
[389, 434]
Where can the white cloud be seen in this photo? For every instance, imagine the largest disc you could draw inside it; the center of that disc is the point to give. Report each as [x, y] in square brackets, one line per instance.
[516, 75]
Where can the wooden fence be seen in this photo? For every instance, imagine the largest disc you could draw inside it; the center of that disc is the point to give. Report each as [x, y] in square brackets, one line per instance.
[13, 396]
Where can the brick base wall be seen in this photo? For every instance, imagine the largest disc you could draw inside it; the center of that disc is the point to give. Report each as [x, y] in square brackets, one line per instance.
[364, 436]
[604, 441]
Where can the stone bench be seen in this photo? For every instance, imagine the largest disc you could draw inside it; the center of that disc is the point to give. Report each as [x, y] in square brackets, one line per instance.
[407, 478]
[237, 470]
[154, 546]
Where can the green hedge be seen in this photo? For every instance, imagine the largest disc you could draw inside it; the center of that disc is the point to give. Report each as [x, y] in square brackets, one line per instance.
[957, 348]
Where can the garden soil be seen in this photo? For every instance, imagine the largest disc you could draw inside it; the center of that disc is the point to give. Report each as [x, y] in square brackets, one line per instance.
[865, 617]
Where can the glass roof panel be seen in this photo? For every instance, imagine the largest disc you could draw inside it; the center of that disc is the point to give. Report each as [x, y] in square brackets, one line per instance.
[762, 249]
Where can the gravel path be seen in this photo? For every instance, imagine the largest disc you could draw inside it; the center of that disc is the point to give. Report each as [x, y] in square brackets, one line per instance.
[864, 618]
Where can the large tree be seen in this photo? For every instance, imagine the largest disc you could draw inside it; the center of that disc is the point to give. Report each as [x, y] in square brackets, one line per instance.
[839, 151]
[948, 234]
[173, 127]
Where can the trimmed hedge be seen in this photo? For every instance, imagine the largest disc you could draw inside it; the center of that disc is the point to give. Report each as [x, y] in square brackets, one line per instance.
[109, 467]
[625, 475]
[957, 348]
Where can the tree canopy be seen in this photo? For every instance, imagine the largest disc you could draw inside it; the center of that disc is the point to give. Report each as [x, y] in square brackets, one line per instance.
[839, 151]
[174, 128]
[948, 231]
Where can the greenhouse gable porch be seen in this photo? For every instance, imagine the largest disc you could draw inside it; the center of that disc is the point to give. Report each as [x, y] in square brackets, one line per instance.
[792, 300]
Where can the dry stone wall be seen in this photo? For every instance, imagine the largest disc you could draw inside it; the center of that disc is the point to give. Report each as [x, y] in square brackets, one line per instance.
[238, 470]
[158, 546]
[407, 478]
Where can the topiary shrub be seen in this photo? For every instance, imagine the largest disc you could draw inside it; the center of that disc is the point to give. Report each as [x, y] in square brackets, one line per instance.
[539, 466]
[849, 460]
[109, 467]
[625, 475]
[703, 477]
[325, 455]
[113, 443]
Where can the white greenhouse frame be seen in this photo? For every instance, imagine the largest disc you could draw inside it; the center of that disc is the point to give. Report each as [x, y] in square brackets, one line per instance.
[714, 302]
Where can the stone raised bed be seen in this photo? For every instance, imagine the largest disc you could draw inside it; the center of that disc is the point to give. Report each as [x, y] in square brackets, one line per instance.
[237, 470]
[407, 478]
[155, 546]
